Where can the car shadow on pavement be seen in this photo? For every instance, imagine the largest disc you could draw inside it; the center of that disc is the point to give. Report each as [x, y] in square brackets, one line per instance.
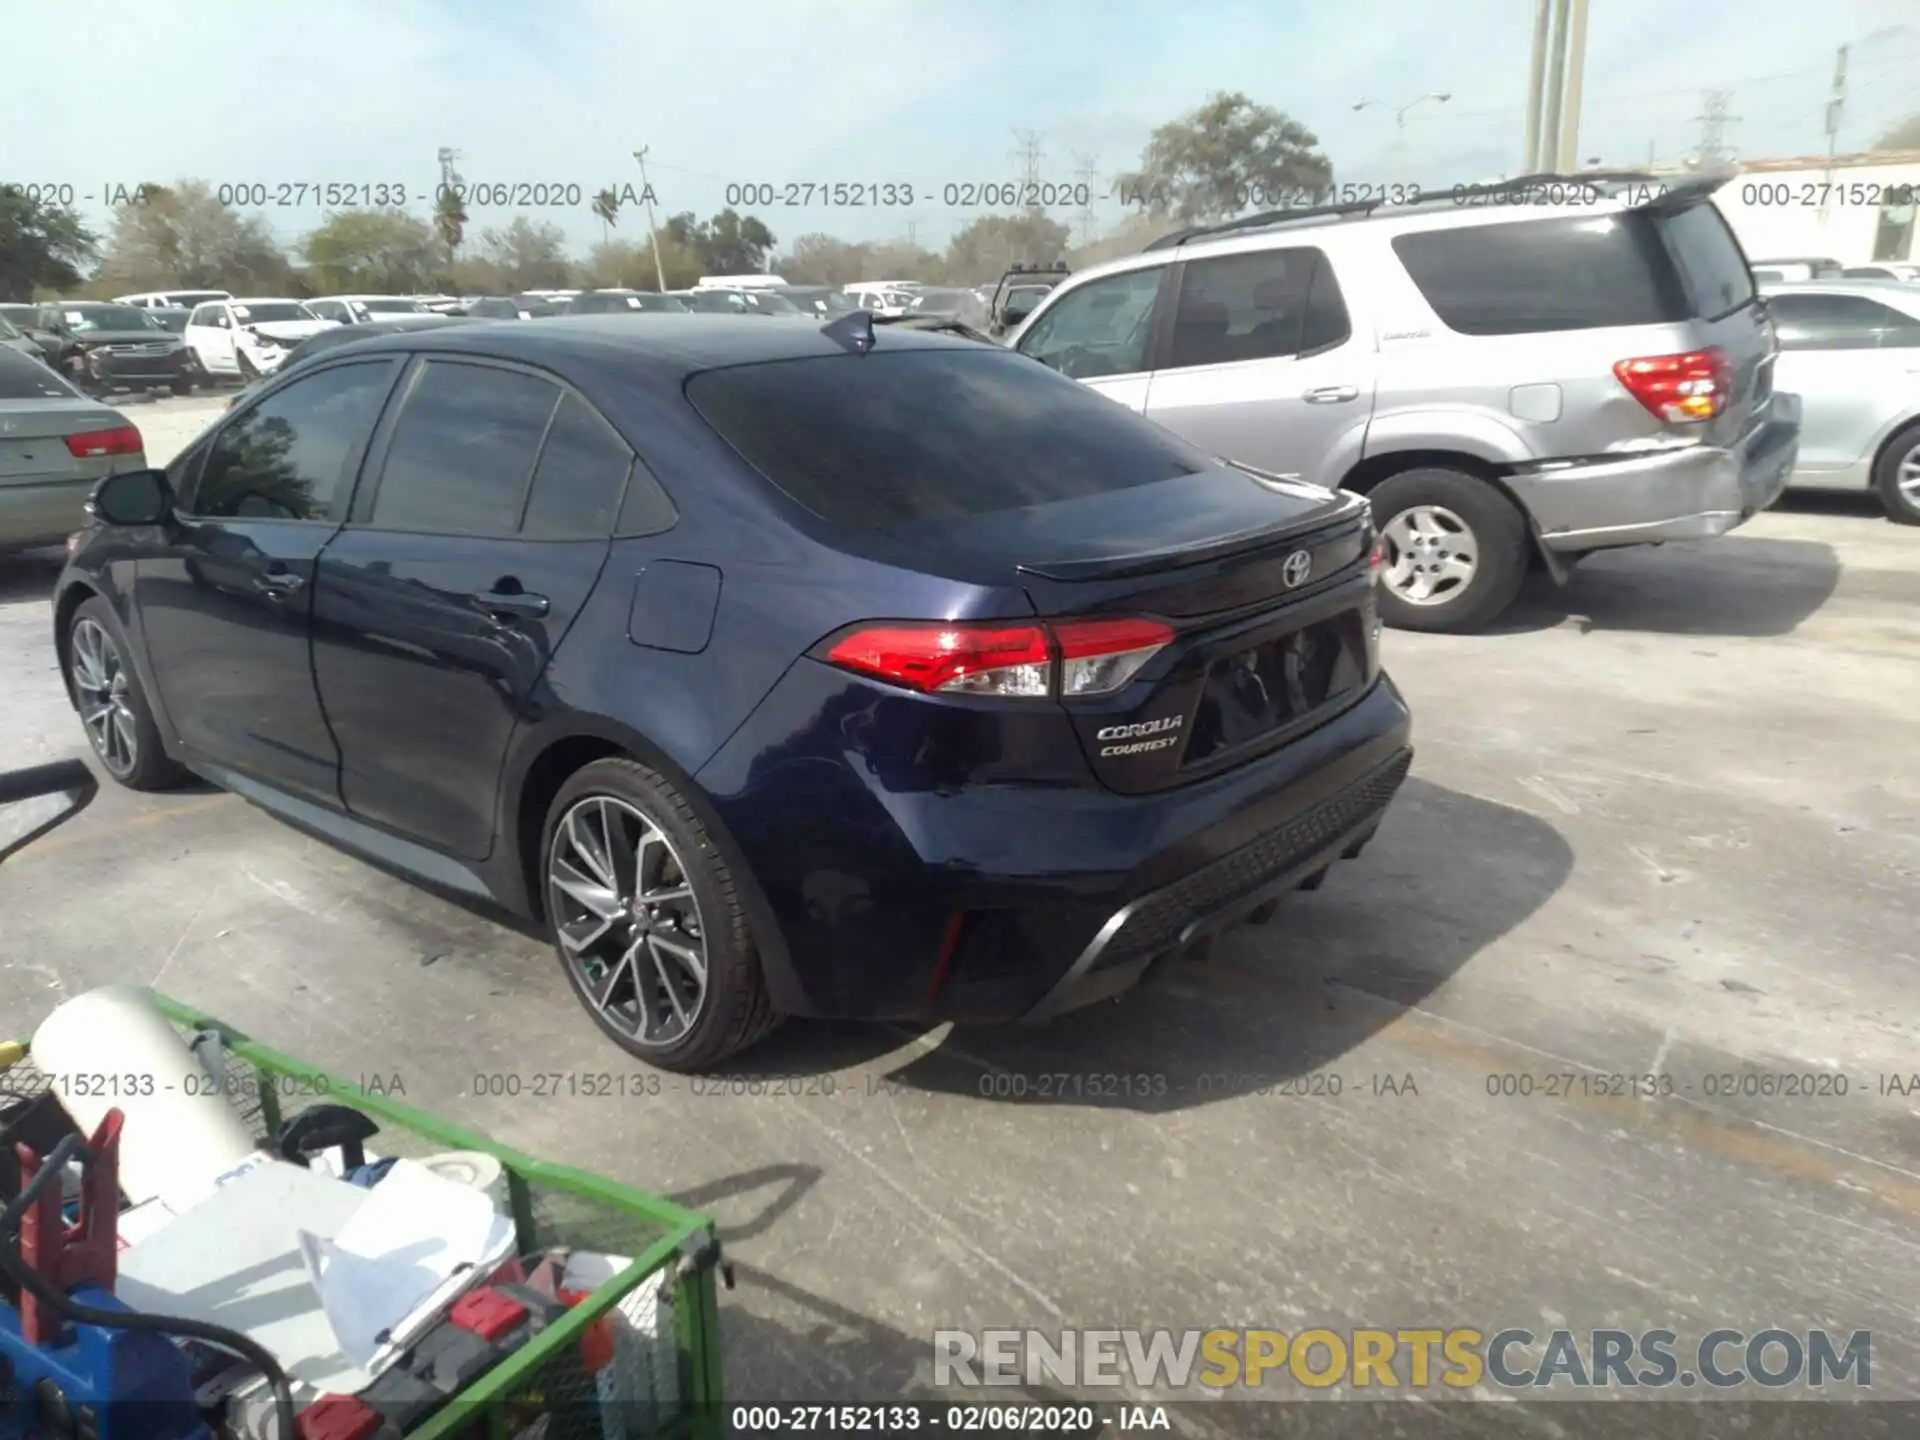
[29, 574]
[1737, 585]
[1448, 875]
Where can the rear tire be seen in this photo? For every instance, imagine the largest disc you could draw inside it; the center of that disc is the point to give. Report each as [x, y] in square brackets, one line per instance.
[628, 957]
[113, 707]
[1897, 477]
[1456, 550]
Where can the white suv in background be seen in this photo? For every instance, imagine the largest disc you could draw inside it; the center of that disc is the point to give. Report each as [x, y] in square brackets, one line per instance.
[364, 309]
[172, 299]
[249, 337]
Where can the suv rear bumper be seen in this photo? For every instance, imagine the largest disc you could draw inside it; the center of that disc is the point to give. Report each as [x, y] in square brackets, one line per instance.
[1694, 493]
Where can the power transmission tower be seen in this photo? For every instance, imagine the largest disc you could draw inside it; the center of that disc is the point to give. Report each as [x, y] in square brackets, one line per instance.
[1086, 171]
[1028, 158]
[913, 232]
[1713, 121]
[447, 158]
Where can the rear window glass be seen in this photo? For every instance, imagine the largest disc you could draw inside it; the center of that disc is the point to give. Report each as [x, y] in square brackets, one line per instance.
[878, 440]
[1527, 277]
[1709, 259]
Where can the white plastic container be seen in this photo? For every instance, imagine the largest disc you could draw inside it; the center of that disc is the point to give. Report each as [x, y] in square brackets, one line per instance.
[111, 1049]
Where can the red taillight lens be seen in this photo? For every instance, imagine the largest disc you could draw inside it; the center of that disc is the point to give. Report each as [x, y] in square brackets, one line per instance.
[1377, 558]
[124, 440]
[1680, 388]
[1096, 657]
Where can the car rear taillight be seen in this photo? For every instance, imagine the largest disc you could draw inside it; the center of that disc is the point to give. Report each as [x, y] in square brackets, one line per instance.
[1680, 388]
[1377, 559]
[1093, 657]
[122, 440]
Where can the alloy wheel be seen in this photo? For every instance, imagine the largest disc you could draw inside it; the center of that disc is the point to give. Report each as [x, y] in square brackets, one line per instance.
[1432, 555]
[627, 920]
[1906, 477]
[100, 677]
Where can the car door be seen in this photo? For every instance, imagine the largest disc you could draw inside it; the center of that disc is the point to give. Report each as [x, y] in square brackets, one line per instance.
[1831, 357]
[224, 605]
[478, 536]
[1101, 332]
[1261, 363]
[210, 334]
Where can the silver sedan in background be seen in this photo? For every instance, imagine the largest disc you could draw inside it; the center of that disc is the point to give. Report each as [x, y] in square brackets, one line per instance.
[55, 443]
[1851, 350]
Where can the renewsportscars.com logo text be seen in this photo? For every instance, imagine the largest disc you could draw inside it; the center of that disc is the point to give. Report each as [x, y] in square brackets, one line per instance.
[1459, 1358]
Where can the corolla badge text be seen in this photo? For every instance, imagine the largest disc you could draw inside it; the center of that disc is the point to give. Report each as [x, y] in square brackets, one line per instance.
[1159, 728]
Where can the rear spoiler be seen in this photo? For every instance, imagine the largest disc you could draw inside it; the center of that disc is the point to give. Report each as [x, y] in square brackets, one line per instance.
[1216, 547]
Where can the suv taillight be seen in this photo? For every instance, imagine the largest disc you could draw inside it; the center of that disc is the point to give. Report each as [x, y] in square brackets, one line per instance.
[1680, 388]
[1094, 657]
[122, 440]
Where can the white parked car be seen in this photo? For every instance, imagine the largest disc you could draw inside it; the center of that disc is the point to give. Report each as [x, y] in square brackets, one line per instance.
[364, 309]
[248, 337]
[888, 298]
[172, 299]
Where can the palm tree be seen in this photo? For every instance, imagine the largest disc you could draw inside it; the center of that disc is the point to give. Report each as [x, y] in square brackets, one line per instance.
[606, 205]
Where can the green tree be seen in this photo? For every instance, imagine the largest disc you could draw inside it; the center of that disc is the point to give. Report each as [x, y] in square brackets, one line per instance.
[182, 235]
[736, 244]
[372, 250]
[530, 255]
[606, 205]
[819, 259]
[1228, 156]
[41, 245]
[1903, 135]
[984, 249]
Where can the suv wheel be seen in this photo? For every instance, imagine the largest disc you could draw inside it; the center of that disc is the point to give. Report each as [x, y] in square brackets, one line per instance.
[643, 912]
[1897, 477]
[1456, 550]
[113, 707]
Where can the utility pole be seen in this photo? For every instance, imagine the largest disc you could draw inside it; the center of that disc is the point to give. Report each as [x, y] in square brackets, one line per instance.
[653, 235]
[1568, 140]
[1086, 169]
[1836, 107]
[1400, 124]
[1556, 88]
[1536, 76]
[1713, 120]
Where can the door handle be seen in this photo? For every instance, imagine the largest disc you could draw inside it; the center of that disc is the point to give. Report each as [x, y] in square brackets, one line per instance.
[513, 604]
[279, 583]
[1331, 395]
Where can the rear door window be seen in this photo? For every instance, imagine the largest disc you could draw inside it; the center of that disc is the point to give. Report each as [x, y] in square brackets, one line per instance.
[1528, 277]
[1712, 267]
[1259, 306]
[579, 480]
[873, 441]
[463, 451]
[1838, 322]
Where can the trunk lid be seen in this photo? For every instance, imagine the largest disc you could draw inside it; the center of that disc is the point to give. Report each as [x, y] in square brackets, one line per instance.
[1263, 581]
[33, 436]
[1723, 307]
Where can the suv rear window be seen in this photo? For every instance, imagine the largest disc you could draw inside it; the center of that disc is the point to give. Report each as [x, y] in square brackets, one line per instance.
[878, 440]
[1710, 261]
[1527, 277]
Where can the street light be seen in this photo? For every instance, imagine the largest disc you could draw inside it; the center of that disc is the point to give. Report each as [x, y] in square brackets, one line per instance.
[1400, 121]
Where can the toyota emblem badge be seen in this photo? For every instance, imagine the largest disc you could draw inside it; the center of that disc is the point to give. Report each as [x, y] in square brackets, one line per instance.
[1296, 568]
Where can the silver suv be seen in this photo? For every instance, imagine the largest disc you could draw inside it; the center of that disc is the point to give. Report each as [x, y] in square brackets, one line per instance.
[1509, 373]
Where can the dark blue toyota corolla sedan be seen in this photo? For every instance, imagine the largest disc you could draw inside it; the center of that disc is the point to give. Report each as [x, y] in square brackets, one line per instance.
[777, 670]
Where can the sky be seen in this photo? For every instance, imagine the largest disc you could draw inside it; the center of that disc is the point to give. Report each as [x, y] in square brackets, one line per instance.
[910, 93]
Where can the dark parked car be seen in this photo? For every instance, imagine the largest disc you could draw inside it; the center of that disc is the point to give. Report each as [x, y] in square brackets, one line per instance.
[26, 319]
[776, 669]
[509, 307]
[825, 301]
[621, 302]
[171, 319]
[106, 347]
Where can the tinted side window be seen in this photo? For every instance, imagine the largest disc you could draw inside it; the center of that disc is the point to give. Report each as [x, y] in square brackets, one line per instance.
[286, 457]
[1100, 328]
[1709, 259]
[1826, 322]
[578, 483]
[1256, 307]
[1527, 277]
[464, 450]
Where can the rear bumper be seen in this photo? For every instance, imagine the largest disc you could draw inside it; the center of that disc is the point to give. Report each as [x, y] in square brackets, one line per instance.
[912, 885]
[43, 513]
[1685, 494]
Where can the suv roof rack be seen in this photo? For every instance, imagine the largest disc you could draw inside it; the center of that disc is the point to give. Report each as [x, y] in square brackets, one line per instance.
[1673, 187]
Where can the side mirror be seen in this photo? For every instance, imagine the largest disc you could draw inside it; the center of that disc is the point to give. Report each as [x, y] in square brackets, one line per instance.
[135, 497]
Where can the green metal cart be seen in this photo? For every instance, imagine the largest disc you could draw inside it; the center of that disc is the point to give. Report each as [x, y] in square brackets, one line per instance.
[540, 1392]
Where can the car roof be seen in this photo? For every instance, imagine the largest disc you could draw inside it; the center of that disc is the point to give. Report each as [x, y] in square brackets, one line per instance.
[260, 300]
[668, 346]
[1891, 290]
